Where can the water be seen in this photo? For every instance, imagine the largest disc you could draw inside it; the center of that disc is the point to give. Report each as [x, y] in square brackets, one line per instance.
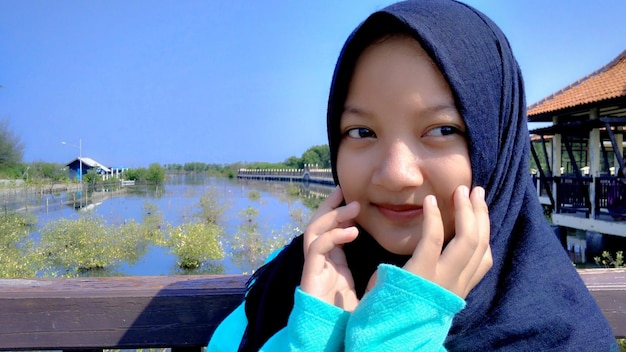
[178, 200]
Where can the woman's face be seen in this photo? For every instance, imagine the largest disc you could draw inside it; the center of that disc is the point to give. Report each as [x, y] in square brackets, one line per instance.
[402, 139]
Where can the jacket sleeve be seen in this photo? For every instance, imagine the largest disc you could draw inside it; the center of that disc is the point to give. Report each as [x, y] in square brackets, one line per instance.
[403, 312]
[313, 325]
[228, 334]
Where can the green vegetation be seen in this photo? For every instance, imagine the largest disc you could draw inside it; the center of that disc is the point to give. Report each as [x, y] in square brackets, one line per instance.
[195, 243]
[39, 173]
[292, 190]
[211, 207]
[88, 244]
[317, 155]
[13, 168]
[216, 170]
[11, 148]
[16, 258]
[249, 248]
[608, 261]
[153, 222]
[154, 174]
[251, 245]
[91, 177]
[254, 195]
[538, 148]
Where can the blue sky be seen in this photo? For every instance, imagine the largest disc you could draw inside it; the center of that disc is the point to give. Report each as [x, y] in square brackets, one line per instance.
[220, 81]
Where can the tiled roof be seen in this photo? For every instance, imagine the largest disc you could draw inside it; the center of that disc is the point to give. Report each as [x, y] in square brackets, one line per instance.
[606, 83]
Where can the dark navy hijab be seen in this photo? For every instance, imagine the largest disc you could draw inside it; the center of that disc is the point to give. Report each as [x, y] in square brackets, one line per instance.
[532, 299]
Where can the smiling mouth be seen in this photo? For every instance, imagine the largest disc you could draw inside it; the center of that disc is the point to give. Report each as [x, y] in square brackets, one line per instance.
[400, 212]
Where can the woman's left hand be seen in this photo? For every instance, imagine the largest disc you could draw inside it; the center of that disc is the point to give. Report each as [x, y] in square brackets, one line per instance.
[467, 257]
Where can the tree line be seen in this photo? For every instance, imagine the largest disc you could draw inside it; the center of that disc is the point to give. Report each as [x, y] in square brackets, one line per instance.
[317, 155]
[12, 166]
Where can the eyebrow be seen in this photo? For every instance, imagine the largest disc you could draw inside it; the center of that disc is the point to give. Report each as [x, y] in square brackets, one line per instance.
[430, 110]
[441, 108]
[353, 110]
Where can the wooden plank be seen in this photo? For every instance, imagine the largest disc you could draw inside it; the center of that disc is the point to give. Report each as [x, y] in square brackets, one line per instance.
[179, 312]
[121, 312]
[608, 287]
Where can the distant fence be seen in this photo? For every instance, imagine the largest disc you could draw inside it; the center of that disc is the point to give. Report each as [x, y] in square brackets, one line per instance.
[18, 196]
[306, 175]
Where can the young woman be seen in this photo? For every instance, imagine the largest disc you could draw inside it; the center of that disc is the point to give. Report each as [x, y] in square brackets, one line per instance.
[435, 238]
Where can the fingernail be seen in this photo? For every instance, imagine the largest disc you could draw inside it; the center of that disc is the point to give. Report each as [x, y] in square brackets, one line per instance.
[431, 199]
[481, 192]
[352, 230]
[465, 191]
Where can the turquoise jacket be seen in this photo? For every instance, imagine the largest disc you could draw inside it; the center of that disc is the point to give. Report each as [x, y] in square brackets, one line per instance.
[403, 312]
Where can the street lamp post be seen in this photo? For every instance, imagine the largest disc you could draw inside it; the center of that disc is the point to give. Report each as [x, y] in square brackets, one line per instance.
[80, 160]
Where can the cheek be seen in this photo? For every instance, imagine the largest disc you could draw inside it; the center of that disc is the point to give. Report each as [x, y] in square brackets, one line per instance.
[450, 174]
[351, 175]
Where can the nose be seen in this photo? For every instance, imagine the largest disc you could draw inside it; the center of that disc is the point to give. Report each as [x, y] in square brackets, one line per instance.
[398, 169]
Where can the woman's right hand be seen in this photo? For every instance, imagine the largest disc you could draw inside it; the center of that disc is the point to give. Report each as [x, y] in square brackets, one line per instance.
[326, 274]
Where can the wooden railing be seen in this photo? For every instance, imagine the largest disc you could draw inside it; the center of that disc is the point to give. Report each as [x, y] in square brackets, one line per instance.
[610, 196]
[179, 312]
[308, 175]
[572, 194]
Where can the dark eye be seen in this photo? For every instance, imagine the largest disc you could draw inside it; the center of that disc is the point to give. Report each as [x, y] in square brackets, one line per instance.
[444, 131]
[360, 132]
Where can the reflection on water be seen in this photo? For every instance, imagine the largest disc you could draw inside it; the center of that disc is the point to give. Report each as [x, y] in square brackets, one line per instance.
[257, 218]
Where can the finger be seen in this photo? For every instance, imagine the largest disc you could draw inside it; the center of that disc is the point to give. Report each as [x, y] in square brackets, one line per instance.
[338, 218]
[482, 229]
[486, 262]
[424, 260]
[335, 218]
[331, 202]
[461, 248]
[323, 244]
[482, 260]
[481, 215]
[333, 238]
[481, 211]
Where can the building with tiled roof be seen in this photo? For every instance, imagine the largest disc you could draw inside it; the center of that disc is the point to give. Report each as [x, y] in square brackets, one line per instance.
[604, 88]
[579, 158]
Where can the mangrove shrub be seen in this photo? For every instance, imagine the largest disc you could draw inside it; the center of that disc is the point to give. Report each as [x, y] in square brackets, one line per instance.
[16, 256]
[195, 243]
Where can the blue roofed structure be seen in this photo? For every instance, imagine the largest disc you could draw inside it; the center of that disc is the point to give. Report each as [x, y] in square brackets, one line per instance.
[87, 164]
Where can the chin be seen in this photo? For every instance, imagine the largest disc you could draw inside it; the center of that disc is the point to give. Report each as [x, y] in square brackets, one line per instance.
[404, 247]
